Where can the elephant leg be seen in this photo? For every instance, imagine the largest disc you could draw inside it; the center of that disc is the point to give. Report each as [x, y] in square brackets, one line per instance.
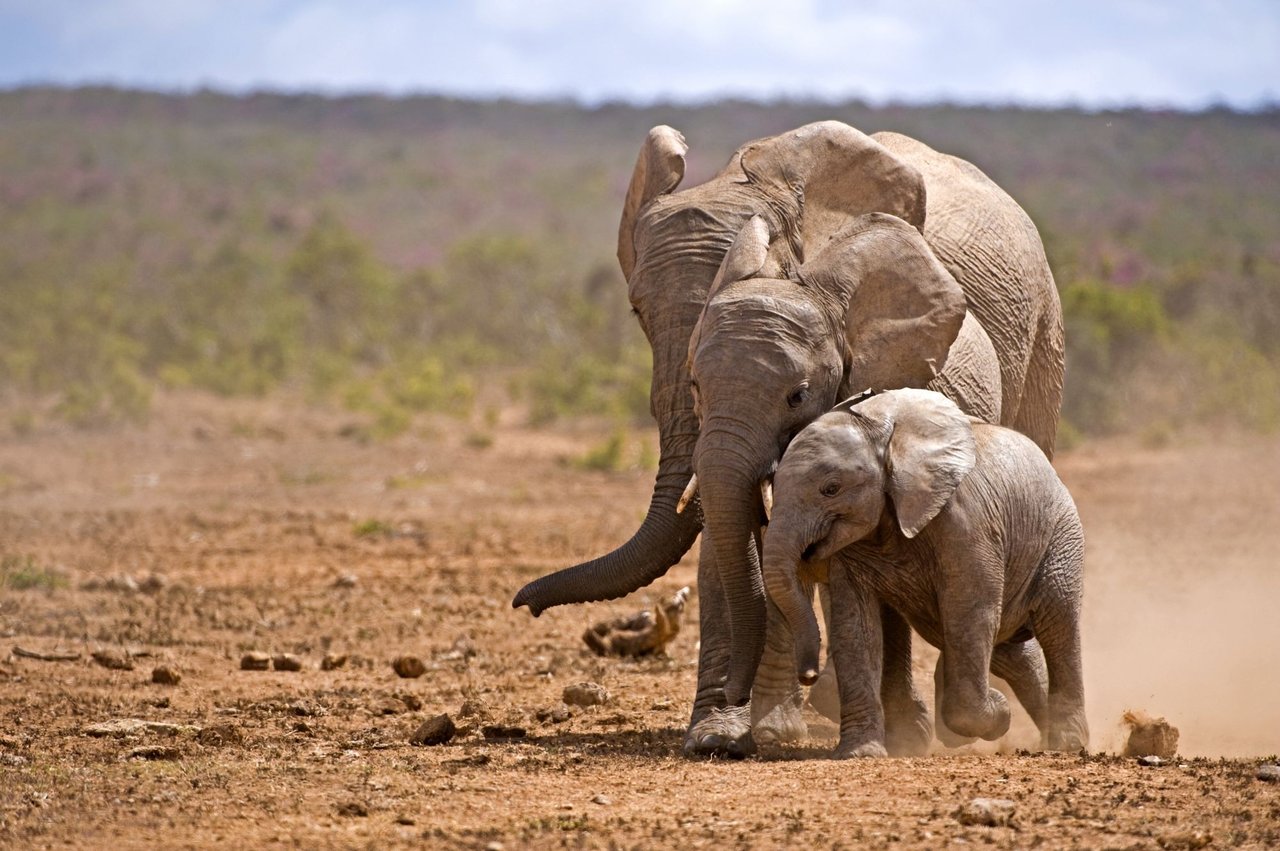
[908, 730]
[1041, 403]
[714, 728]
[970, 616]
[1057, 626]
[857, 646]
[1021, 664]
[777, 698]
[945, 735]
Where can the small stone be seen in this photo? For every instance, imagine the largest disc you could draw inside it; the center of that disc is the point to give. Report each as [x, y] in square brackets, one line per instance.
[153, 583]
[1150, 761]
[1269, 773]
[305, 709]
[585, 694]
[123, 727]
[333, 661]
[411, 701]
[554, 714]
[353, 809]
[494, 846]
[154, 752]
[387, 706]
[989, 812]
[346, 580]
[602, 800]
[220, 735]
[409, 667]
[473, 707]
[503, 731]
[12, 760]
[165, 676]
[113, 659]
[434, 731]
[286, 662]
[407, 821]
[1185, 841]
[255, 661]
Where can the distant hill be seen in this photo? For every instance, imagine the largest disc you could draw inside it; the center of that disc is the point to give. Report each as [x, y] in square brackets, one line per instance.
[397, 253]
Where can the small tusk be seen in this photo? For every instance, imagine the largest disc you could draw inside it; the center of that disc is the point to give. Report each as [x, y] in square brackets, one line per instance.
[690, 491]
[766, 493]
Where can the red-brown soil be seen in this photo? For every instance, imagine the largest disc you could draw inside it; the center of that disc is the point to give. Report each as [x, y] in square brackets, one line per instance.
[223, 528]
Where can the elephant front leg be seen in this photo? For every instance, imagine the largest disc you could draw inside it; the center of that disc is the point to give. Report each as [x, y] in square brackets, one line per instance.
[908, 730]
[970, 617]
[857, 647]
[714, 728]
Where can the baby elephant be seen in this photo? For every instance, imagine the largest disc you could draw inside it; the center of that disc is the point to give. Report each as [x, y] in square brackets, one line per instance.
[962, 527]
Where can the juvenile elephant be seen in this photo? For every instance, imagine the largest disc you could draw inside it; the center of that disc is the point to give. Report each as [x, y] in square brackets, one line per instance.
[806, 185]
[963, 528]
[871, 307]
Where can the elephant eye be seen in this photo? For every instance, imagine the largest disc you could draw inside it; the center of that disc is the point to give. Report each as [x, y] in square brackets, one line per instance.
[798, 395]
[830, 489]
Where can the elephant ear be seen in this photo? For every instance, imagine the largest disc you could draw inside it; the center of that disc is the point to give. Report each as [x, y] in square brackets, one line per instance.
[659, 170]
[833, 172]
[747, 255]
[930, 451]
[903, 309]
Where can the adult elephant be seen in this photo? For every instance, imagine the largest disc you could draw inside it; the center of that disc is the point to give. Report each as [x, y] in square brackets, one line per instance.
[805, 185]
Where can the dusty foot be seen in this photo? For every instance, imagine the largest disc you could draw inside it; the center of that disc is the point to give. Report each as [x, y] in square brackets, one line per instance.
[866, 750]
[724, 732]
[908, 730]
[782, 720]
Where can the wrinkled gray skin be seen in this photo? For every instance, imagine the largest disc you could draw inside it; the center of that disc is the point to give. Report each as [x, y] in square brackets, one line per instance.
[872, 307]
[806, 185]
[963, 528]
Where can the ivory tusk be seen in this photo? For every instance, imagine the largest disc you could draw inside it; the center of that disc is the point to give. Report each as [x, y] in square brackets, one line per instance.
[766, 493]
[690, 491]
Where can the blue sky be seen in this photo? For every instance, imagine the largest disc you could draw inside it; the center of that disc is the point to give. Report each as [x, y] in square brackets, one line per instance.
[1088, 52]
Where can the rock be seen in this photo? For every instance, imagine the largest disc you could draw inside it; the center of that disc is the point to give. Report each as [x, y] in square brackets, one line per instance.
[407, 821]
[585, 694]
[153, 583]
[154, 752]
[1150, 761]
[411, 701]
[113, 659]
[346, 580]
[305, 709]
[165, 676]
[122, 727]
[286, 662]
[554, 714]
[255, 661]
[220, 735]
[387, 706]
[434, 731]
[642, 634]
[602, 800]
[1185, 841]
[473, 707]
[990, 812]
[1269, 773]
[495, 845]
[503, 731]
[333, 661]
[353, 809]
[12, 760]
[1149, 736]
[409, 667]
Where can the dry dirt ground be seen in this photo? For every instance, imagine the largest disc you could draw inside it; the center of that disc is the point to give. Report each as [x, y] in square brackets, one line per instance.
[223, 528]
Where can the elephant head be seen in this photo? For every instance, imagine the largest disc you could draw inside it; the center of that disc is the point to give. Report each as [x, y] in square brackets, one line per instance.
[895, 458]
[873, 307]
[804, 184]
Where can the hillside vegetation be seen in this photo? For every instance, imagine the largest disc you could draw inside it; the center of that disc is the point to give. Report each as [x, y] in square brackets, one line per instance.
[427, 254]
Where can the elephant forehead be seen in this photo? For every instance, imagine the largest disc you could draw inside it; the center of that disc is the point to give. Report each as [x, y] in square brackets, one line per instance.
[764, 303]
[825, 446]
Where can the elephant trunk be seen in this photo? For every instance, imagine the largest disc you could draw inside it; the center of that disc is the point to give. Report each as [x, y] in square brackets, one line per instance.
[784, 546]
[731, 508]
[662, 539]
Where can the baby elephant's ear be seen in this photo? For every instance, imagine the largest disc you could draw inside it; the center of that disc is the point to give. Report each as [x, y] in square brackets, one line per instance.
[746, 257]
[931, 449]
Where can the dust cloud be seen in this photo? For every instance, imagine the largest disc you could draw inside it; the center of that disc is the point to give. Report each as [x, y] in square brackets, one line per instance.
[1182, 599]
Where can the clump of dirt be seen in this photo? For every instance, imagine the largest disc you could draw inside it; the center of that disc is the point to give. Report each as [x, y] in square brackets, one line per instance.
[1149, 736]
[644, 634]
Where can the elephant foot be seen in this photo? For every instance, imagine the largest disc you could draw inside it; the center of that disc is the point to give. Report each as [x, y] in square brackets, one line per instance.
[824, 695]
[783, 722]
[908, 729]
[950, 739]
[866, 750]
[723, 732]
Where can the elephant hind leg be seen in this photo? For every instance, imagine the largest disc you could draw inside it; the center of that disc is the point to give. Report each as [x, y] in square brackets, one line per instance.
[1057, 625]
[1041, 403]
[1021, 664]
[908, 730]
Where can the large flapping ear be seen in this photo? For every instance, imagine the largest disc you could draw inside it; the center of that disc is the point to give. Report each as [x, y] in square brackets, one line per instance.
[659, 170]
[930, 451]
[834, 172]
[903, 309]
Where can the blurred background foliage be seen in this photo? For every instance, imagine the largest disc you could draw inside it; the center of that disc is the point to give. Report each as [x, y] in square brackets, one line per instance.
[398, 256]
